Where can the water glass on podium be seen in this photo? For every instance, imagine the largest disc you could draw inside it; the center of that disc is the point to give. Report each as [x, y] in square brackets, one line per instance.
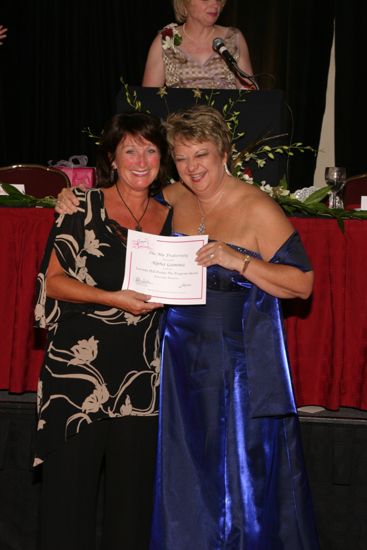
[335, 177]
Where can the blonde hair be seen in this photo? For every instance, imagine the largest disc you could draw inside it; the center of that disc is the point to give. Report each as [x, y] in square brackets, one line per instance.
[199, 123]
[180, 9]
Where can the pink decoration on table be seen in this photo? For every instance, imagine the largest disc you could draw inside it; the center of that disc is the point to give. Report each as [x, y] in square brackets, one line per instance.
[77, 170]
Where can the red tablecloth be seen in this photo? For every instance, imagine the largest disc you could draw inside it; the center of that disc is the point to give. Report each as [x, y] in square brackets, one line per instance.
[23, 236]
[327, 335]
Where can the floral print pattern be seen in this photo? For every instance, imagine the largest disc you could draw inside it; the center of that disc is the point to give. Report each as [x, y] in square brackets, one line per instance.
[101, 362]
[183, 71]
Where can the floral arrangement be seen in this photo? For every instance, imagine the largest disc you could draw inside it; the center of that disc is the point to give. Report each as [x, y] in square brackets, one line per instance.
[171, 38]
[311, 204]
[297, 203]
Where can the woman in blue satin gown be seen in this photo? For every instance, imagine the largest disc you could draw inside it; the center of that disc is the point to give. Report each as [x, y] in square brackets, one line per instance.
[230, 471]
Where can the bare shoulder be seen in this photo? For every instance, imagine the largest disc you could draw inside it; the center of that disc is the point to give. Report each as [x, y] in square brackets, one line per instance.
[250, 195]
[266, 219]
[174, 192]
[221, 31]
[239, 34]
[266, 210]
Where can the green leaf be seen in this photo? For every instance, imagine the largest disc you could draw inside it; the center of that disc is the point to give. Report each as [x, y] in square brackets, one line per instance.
[283, 182]
[16, 198]
[11, 190]
[317, 196]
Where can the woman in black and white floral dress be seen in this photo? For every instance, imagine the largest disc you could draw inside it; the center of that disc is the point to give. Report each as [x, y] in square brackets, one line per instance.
[102, 359]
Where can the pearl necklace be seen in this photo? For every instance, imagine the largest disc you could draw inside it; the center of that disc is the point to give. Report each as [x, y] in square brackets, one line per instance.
[193, 39]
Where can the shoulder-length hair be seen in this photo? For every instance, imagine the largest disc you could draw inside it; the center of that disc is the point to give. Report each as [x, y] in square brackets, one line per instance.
[138, 125]
[199, 123]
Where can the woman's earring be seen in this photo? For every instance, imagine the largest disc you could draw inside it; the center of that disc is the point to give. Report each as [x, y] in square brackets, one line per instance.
[113, 175]
[227, 170]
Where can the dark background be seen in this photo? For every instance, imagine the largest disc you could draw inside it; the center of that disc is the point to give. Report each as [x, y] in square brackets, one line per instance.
[61, 64]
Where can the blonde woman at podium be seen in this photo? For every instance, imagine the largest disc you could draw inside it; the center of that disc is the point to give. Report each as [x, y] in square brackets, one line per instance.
[198, 53]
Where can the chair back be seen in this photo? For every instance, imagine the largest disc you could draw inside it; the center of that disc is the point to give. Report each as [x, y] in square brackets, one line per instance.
[39, 181]
[355, 188]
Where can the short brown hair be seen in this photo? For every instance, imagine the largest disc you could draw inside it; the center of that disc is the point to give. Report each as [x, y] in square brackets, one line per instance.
[180, 9]
[199, 123]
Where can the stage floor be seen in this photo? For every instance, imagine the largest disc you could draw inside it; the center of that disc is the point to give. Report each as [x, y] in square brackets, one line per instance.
[335, 449]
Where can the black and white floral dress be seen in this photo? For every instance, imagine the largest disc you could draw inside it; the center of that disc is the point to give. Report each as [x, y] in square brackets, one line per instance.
[100, 362]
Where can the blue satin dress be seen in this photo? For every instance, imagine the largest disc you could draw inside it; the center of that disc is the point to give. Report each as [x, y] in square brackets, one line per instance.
[230, 472]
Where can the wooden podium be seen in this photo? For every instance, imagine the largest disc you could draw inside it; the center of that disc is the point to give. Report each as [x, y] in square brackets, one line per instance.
[262, 114]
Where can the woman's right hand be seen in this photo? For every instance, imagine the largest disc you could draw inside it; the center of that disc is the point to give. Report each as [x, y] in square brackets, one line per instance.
[133, 302]
[62, 287]
[67, 202]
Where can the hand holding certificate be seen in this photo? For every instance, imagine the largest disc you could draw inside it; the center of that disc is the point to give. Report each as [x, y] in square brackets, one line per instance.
[165, 268]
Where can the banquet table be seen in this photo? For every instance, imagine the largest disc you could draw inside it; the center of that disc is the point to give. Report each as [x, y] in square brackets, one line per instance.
[326, 334]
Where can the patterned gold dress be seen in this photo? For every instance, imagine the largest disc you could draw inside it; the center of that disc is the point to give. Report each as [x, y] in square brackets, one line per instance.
[101, 362]
[183, 71]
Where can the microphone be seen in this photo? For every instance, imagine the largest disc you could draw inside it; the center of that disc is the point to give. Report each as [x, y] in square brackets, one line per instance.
[220, 47]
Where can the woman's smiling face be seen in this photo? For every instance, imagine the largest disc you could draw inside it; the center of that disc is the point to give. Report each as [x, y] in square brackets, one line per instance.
[137, 161]
[200, 165]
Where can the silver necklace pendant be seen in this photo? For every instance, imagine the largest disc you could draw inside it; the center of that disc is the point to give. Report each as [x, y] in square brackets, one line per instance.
[201, 228]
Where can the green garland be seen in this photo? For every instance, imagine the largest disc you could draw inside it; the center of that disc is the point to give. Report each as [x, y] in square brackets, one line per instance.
[258, 152]
[312, 206]
[15, 198]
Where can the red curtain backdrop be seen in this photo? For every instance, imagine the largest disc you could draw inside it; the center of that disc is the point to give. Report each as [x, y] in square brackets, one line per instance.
[327, 335]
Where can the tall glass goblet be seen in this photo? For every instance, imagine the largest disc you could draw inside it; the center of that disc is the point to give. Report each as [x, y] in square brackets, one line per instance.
[335, 177]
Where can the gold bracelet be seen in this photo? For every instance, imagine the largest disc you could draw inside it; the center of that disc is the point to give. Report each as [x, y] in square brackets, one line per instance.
[247, 259]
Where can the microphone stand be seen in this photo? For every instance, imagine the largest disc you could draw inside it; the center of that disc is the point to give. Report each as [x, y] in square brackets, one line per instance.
[246, 76]
[240, 73]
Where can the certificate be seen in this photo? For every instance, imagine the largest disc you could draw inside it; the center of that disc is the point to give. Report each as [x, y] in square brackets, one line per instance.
[165, 268]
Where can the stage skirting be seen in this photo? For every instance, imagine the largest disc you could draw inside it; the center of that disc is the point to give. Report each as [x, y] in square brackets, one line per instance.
[327, 334]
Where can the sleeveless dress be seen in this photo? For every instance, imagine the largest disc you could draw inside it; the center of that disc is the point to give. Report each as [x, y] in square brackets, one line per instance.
[230, 470]
[183, 71]
[101, 362]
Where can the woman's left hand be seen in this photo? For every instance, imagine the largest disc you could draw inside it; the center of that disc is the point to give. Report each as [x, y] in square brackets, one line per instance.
[219, 253]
